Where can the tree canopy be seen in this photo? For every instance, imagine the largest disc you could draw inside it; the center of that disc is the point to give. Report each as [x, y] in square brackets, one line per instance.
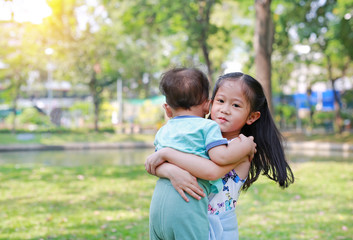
[95, 43]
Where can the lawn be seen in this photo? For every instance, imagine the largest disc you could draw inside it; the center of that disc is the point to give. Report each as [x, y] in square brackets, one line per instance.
[112, 202]
[48, 138]
[319, 205]
[90, 202]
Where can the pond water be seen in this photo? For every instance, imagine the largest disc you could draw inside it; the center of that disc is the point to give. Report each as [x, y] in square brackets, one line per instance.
[126, 157]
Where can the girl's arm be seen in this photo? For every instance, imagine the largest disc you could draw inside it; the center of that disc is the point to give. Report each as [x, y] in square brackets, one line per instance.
[181, 180]
[198, 166]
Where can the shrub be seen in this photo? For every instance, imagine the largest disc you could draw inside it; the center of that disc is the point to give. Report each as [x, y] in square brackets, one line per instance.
[31, 116]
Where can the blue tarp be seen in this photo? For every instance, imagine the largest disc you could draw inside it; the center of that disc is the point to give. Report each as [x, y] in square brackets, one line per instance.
[303, 101]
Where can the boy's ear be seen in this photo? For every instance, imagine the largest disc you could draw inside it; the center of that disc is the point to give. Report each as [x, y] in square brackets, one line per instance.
[206, 106]
[253, 117]
[168, 110]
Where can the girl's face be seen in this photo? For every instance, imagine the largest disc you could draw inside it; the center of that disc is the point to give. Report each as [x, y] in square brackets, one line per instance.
[230, 108]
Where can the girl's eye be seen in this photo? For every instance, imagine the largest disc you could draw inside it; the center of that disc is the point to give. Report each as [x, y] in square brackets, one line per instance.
[220, 100]
[235, 105]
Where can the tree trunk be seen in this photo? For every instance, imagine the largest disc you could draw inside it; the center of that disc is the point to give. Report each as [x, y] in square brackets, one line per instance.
[208, 62]
[96, 114]
[338, 124]
[309, 92]
[205, 11]
[264, 32]
[94, 93]
[14, 105]
[14, 110]
[337, 107]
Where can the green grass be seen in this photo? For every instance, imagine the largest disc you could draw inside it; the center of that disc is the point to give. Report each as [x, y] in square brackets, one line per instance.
[72, 137]
[318, 206]
[74, 203]
[112, 202]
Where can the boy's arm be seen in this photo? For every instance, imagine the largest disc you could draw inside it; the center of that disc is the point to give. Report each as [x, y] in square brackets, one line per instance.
[235, 152]
[198, 166]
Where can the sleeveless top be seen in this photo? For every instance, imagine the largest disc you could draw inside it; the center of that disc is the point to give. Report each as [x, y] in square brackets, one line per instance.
[226, 199]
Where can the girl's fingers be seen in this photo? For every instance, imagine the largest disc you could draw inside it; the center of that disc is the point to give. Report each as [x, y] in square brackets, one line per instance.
[192, 194]
[149, 167]
[153, 170]
[146, 167]
[182, 194]
[198, 190]
[192, 190]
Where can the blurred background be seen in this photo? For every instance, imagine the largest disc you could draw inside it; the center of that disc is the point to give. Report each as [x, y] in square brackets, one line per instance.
[96, 64]
[83, 75]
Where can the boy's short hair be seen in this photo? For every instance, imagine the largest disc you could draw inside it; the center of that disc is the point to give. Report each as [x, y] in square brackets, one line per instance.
[184, 87]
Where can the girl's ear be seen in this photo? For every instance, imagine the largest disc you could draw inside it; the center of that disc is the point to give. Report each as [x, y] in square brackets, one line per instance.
[253, 117]
[168, 110]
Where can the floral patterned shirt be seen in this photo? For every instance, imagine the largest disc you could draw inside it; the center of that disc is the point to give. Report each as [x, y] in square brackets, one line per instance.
[227, 198]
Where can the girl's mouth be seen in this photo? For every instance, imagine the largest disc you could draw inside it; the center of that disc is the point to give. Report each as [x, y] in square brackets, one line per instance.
[222, 120]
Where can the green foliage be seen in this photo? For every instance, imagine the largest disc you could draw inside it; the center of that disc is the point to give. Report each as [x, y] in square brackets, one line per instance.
[82, 108]
[347, 98]
[150, 115]
[283, 55]
[191, 32]
[6, 95]
[323, 118]
[130, 40]
[107, 110]
[5, 113]
[285, 115]
[348, 117]
[31, 116]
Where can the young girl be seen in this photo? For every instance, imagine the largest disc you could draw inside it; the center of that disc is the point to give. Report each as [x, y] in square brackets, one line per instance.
[238, 106]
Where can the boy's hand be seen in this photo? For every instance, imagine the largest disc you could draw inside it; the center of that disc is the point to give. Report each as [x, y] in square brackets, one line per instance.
[153, 161]
[250, 142]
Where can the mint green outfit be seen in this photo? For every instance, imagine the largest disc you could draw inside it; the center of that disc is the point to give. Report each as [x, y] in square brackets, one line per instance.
[171, 217]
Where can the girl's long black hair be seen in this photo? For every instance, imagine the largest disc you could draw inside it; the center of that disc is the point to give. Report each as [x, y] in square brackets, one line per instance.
[269, 159]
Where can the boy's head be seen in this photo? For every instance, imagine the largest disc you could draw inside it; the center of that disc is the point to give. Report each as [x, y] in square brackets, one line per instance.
[184, 87]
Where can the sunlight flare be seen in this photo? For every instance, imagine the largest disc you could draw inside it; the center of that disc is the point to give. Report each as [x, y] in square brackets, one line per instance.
[24, 10]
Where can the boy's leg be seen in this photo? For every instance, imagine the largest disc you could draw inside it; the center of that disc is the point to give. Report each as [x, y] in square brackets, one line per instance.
[192, 222]
[173, 218]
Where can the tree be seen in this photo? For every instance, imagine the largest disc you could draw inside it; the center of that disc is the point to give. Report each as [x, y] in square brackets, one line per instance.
[192, 33]
[85, 47]
[320, 25]
[18, 45]
[282, 62]
[264, 32]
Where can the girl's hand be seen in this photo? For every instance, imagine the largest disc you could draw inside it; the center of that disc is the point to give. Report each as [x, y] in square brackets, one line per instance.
[183, 182]
[153, 161]
[250, 141]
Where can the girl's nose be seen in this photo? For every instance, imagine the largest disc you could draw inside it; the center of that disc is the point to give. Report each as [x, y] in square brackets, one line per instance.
[225, 110]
